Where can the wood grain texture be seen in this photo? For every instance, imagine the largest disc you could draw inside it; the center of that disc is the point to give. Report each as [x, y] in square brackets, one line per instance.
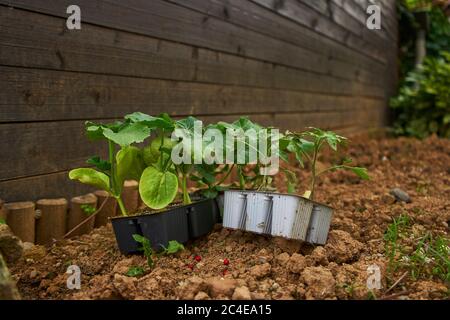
[42, 95]
[51, 224]
[287, 63]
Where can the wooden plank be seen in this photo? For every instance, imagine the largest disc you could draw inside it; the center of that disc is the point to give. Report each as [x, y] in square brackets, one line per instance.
[151, 58]
[168, 21]
[164, 20]
[43, 95]
[42, 186]
[251, 16]
[57, 146]
[304, 15]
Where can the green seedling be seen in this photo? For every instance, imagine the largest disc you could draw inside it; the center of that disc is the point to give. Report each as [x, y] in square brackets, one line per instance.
[2, 221]
[173, 247]
[135, 271]
[247, 133]
[127, 163]
[146, 248]
[393, 233]
[308, 146]
[88, 209]
[428, 258]
[162, 177]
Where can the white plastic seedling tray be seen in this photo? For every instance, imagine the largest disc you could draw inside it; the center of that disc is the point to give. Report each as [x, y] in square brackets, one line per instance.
[283, 215]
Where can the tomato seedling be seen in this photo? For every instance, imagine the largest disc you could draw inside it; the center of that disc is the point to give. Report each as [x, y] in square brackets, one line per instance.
[308, 145]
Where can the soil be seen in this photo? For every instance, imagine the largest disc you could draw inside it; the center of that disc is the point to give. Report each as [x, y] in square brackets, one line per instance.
[230, 264]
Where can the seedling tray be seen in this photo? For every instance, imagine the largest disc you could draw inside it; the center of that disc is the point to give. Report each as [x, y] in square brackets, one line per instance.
[180, 223]
[202, 216]
[159, 228]
[283, 215]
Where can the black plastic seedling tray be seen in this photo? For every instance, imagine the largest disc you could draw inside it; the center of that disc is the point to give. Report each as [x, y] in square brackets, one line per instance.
[179, 223]
[202, 216]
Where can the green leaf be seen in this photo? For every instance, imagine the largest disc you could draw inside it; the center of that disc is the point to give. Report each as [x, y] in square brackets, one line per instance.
[152, 152]
[360, 172]
[187, 124]
[209, 193]
[99, 163]
[138, 238]
[131, 133]
[157, 188]
[91, 177]
[163, 121]
[135, 271]
[300, 148]
[173, 247]
[207, 173]
[2, 221]
[130, 163]
[88, 209]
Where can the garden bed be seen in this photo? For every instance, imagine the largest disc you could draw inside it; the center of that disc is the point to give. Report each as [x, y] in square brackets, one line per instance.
[262, 267]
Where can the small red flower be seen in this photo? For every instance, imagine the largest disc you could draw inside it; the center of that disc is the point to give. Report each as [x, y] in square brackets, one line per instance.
[190, 266]
[226, 261]
[198, 258]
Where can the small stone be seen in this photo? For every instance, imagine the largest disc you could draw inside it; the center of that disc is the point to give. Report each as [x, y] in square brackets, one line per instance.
[260, 271]
[241, 293]
[33, 274]
[400, 195]
[296, 263]
[201, 296]
[11, 246]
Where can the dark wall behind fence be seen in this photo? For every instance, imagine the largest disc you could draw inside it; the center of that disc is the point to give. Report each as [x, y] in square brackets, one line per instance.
[290, 63]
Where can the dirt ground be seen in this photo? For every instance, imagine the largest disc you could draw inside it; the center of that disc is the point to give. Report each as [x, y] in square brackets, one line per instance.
[238, 265]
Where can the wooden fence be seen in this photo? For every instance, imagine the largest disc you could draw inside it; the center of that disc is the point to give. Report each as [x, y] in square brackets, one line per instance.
[290, 63]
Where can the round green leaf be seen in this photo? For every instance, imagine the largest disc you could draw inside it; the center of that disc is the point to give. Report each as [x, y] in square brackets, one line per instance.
[151, 153]
[158, 189]
[130, 163]
[91, 177]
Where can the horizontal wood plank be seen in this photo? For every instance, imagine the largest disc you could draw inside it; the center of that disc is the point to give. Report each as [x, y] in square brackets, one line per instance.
[43, 147]
[43, 95]
[154, 58]
[165, 20]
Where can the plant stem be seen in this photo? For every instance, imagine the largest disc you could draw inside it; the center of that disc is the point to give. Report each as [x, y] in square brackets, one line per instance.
[186, 197]
[112, 181]
[225, 176]
[241, 178]
[122, 206]
[313, 174]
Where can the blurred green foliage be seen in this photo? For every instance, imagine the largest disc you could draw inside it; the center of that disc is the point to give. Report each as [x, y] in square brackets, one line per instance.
[422, 106]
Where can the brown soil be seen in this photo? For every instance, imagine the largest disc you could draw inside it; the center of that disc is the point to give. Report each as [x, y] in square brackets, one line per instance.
[261, 267]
